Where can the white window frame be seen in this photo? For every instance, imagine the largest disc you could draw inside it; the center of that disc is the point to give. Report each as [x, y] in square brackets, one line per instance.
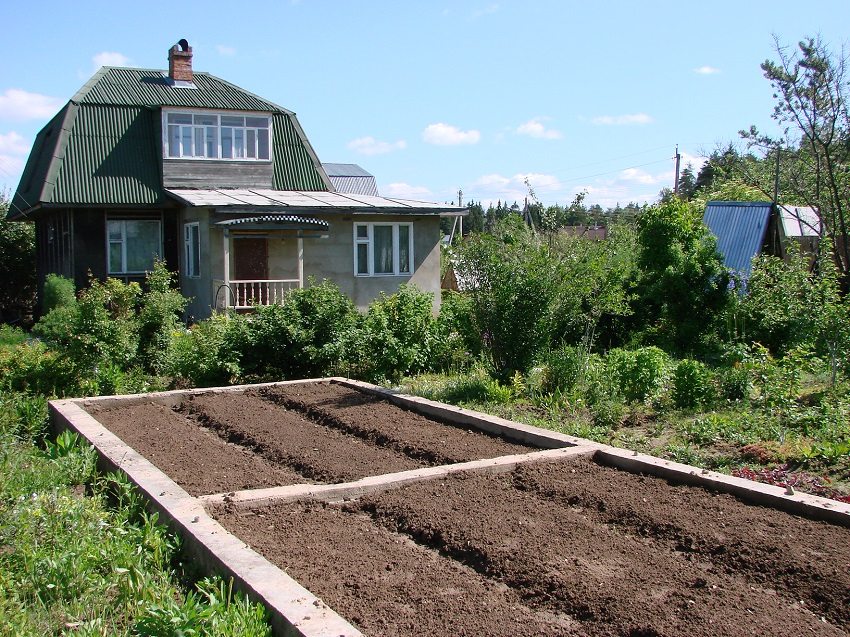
[369, 241]
[192, 249]
[123, 243]
[217, 115]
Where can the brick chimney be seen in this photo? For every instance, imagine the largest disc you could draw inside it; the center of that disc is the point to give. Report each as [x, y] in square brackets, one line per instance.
[180, 62]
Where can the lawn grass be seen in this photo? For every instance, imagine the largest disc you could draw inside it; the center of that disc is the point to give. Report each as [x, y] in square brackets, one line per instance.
[805, 441]
[79, 554]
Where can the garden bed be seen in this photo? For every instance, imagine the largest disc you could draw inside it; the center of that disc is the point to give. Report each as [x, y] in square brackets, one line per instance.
[214, 442]
[568, 548]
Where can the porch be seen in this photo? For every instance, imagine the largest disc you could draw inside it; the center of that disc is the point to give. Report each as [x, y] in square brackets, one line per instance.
[263, 259]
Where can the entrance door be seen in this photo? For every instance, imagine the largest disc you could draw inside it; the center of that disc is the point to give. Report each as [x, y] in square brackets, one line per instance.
[250, 259]
[250, 263]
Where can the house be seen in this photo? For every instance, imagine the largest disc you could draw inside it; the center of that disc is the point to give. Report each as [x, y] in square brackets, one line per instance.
[745, 229]
[351, 179]
[220, 183]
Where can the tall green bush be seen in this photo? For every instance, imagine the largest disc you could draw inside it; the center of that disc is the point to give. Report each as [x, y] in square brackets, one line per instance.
[513, 281]
[641, 374]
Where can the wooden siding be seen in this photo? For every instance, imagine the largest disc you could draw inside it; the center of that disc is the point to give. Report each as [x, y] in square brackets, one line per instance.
[183, 173]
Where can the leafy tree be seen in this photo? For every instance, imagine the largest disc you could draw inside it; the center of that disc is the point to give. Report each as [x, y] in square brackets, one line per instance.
[513, 281]
[682, 285]
[811, 90]
[687, 183]
[17, 266]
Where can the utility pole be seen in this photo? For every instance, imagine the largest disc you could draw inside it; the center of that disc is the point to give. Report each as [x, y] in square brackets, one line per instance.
[460, 205]
[678, 159]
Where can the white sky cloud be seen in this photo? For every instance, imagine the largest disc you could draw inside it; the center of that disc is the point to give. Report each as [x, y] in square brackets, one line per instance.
[495, 187]
[489, 9]
[227, 51]
[706, 70]
[622, 120]
[405, 191]
[638, 176]
[110, 58]
[13, 151]
[18, 105]
[446, 135]
[536, 128]
[370, 146]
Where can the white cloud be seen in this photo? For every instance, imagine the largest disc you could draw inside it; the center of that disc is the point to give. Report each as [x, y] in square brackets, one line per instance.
[16, 104]
[638, 176]
[706, 70]
[14, 144]
[227, 51]
[621, 120]
[535, 128]
[490, 9]
[371, 146]
[405, 191]
[13, 151]
[447, 135]
[495, 187]
[110, 58]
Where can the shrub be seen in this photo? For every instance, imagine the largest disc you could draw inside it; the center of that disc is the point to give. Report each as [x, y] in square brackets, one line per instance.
[197, 356]
[399, 333]
[640, 373]
[34, 369]
[692, 384]
[566, 367]
[58, 292]
[159, 316]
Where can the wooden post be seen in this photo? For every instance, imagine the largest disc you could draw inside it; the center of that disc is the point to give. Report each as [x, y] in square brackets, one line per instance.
[226, 234]
[300, 261]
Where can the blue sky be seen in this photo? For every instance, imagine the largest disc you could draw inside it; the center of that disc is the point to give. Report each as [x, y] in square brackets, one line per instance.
[436, 96]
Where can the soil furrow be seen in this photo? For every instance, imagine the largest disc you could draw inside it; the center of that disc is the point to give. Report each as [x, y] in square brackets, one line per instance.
[791, 559]
[365, 416]
[284, 437]
[561, 559]
[196, 459]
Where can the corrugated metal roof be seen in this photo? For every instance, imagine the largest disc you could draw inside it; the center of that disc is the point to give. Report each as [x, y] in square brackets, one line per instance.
[355, 185]
[111, 157]
[800, 221]
[345, 170]
[254, 198]
[151, 87]
[740, 229]
[104, 147]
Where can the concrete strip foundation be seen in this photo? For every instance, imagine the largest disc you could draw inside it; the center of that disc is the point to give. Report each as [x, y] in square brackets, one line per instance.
[296, 611]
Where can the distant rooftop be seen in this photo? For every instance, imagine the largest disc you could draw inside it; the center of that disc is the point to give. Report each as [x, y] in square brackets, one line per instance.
[351, 179]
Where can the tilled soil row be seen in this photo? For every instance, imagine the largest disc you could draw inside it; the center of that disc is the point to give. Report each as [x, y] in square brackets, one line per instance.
[571, 548]
[806, 559]
[195, 458]
[571, 560]
[285, 438]
[384, 583]
[388, 425]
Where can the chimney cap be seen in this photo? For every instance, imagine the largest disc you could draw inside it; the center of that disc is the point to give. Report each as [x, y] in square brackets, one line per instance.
[183, 44]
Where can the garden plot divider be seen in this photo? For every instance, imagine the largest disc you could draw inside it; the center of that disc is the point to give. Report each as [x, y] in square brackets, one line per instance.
[442, 444]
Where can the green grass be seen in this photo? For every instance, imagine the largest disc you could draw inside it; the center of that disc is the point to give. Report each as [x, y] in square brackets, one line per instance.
[80, 556]
[808, 433]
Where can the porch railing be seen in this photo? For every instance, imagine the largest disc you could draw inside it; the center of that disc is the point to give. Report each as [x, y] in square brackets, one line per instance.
[245, 294]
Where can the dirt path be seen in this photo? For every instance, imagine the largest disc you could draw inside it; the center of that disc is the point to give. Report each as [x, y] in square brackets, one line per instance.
[567, 548]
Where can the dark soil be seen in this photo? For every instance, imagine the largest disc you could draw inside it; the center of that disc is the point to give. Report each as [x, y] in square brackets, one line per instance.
[317, 432]
[363, 415]
[194, 457]
[568, 548]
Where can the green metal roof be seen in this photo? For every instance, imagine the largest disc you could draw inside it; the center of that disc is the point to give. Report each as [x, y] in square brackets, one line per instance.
[104, 146]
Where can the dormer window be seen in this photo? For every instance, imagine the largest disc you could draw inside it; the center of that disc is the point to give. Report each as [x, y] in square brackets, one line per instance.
[206, 135]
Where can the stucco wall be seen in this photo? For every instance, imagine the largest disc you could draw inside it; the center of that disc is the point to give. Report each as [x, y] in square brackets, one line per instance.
[332, 257]
[325, 257]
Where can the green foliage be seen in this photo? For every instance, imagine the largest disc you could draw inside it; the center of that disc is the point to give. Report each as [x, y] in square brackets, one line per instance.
[159, 316]
[34, 369]
[58, 292]
[681, 288]
[513, 282]
[17, 266]
[693, 385]
[198, 355]
[640, 374]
